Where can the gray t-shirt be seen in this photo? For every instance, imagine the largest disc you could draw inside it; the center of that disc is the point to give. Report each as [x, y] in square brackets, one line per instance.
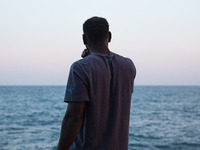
[105, 82]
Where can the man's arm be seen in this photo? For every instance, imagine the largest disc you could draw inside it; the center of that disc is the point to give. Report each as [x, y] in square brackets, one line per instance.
[71, 124]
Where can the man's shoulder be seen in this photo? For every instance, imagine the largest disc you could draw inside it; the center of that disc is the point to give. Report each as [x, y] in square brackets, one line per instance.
[80, 61]
[126, 62]
[123, 58]
[81, 64]
[88, 60]
[84, 60]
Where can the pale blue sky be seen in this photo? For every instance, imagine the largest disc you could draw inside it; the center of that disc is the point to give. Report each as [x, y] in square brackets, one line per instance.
[40, 39]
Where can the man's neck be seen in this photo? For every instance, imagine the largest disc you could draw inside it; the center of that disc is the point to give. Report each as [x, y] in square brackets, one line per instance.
[102, 49]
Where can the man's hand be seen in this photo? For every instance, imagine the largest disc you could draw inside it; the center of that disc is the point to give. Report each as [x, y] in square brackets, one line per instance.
[85, 53]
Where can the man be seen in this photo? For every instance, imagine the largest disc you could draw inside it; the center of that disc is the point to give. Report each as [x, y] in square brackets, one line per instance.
[98, 94]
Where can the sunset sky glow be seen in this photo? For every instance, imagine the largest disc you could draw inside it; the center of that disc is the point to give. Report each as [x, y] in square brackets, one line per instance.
[40, 39]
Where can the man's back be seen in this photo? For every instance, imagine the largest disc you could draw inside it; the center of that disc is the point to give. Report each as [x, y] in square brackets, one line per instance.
[98, 93]
[106, 83]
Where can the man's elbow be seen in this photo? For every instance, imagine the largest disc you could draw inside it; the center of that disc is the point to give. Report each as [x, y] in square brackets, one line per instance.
[76, 120]
[73, 119]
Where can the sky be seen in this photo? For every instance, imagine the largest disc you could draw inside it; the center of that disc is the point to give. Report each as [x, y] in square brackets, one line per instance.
[40, 39]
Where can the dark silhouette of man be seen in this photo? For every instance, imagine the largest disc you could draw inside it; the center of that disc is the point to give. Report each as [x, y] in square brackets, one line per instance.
[98, 94]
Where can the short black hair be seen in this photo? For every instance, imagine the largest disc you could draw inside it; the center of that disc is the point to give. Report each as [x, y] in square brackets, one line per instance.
[96, 28]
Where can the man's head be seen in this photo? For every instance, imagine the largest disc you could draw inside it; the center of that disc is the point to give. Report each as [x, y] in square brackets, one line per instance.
[96, 29]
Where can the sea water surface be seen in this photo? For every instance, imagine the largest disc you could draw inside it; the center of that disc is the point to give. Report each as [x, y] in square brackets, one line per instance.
[162, 117]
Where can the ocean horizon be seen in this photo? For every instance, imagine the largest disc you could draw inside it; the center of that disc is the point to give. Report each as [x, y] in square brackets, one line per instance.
[162, 117]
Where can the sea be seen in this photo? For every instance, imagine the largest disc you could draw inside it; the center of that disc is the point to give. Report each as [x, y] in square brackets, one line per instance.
[162, 117]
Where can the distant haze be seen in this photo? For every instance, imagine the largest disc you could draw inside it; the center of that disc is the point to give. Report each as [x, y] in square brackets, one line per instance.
[39, 40]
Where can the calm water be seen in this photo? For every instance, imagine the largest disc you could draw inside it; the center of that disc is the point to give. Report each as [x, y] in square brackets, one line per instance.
[162, 118]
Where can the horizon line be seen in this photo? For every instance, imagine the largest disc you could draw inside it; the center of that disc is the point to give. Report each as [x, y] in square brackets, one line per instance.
[65, 85]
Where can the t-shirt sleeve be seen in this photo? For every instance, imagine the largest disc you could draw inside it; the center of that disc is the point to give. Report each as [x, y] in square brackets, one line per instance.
[77, 86]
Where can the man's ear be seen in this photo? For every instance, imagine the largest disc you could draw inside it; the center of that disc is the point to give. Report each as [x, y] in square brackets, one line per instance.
[109, 36]
[84, 39]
